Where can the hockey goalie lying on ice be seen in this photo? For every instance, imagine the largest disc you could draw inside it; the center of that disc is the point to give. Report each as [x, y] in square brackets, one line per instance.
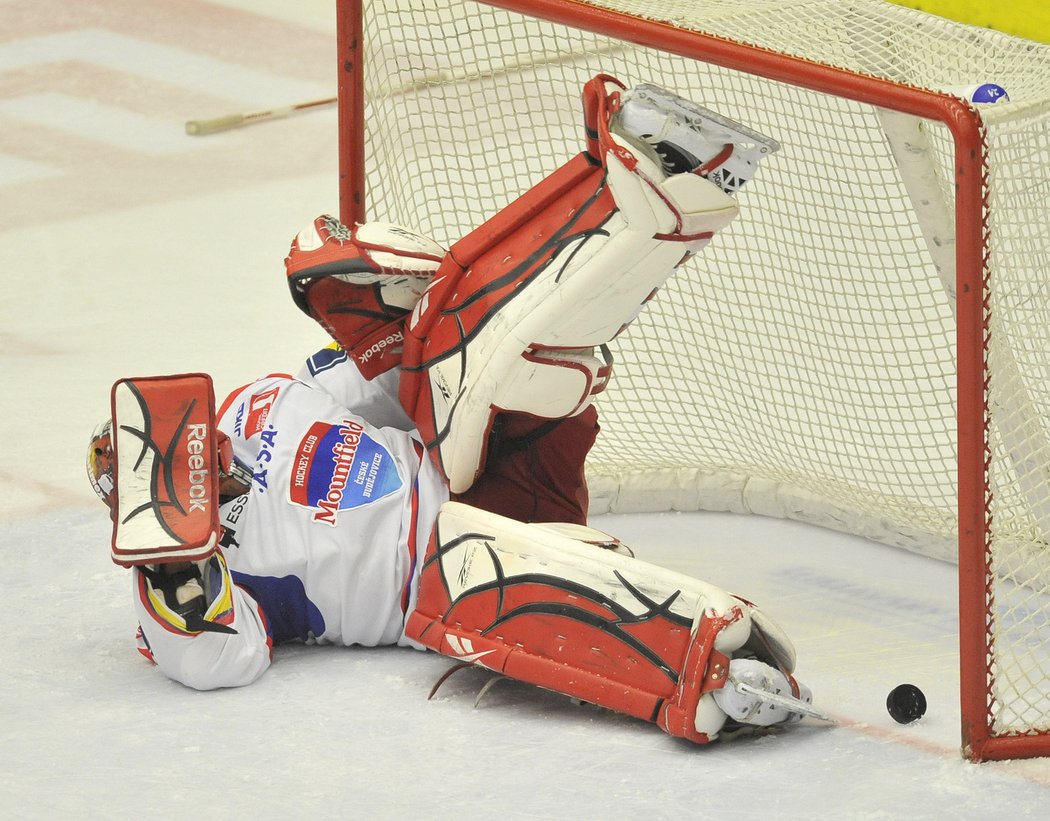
[421, 482]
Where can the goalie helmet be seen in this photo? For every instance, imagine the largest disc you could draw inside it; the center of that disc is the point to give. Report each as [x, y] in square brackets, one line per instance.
[100, 463]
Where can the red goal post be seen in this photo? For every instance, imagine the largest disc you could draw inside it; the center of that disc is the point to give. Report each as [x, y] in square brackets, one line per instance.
[376, 79]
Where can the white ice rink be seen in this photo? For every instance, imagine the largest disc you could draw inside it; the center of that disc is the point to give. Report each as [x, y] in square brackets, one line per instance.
[128, 248]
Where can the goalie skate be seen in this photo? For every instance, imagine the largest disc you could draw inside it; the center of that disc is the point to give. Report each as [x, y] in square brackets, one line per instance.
[690, 138]
[759, 695]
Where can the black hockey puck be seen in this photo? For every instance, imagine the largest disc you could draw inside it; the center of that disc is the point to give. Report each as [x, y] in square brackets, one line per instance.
[906, 703]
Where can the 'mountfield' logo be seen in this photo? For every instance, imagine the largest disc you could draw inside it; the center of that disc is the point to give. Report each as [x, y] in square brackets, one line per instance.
[338, 467]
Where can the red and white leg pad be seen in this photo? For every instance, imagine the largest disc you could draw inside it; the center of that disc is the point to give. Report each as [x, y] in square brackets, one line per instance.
[546, 606]
[519, 305]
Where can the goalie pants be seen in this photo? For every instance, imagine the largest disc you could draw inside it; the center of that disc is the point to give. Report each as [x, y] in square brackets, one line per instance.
[535, 468]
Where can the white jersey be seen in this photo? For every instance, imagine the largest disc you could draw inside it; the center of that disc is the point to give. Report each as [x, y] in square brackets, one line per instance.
[324, 545]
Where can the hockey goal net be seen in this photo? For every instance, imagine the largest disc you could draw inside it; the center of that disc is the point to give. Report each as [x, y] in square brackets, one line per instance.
[867, 347]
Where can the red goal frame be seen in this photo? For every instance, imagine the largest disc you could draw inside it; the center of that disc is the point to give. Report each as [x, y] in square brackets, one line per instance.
[979, 741]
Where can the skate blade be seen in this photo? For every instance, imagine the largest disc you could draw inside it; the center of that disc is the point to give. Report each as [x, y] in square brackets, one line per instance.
[709, 121]
[793, 705]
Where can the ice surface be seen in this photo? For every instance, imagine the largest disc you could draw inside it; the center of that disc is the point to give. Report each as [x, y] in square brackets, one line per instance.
[120, 261]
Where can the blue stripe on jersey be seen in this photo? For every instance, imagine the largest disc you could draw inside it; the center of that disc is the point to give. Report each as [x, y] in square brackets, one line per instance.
[325, 359]
[289, 613]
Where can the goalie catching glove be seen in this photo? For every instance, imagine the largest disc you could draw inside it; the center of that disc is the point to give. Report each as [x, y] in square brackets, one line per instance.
[359, 283]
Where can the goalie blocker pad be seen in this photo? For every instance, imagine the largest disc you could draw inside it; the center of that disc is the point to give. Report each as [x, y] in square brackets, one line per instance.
[544, 605]
[166, 469]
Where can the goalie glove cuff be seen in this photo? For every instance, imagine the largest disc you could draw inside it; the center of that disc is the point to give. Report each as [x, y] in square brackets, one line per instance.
[190, 597]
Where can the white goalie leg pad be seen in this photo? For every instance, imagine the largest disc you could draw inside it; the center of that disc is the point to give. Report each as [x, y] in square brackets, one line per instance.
[542, 604]
[554, 384]
[589, 291]
[480, 548]
[669, 208]
[586, 535]
[596, 287]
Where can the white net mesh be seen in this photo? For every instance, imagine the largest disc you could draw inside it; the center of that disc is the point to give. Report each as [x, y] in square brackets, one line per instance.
[804, 364]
